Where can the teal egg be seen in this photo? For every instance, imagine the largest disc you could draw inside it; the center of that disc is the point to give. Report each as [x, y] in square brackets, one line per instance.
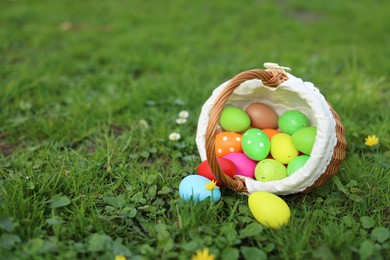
[234, 119]
[270, 170]
[304, 139]
[291, 121]
[193, 188]
[296, 163]
[255, 144]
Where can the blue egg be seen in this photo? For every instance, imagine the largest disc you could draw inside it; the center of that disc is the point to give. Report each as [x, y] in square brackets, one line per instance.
[193, 187]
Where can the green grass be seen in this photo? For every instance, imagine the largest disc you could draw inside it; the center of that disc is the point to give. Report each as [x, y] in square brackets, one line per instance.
[81, 177]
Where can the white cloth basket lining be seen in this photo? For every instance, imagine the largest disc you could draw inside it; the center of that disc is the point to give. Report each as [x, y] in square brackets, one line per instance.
[291, 94]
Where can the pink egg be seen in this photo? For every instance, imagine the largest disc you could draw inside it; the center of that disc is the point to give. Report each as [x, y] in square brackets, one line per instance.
[245, 166]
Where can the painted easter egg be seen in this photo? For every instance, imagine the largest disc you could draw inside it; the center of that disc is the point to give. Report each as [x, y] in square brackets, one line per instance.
[291, 121]
[296, 163]
[269, 209]
[255, 144]
[227, 166]
[227, 142]
[282, 148]
[262, 116]
[244, 165]
[270, 132]
[198, 188]
[270, 170]
[304, 139]
[234, 119]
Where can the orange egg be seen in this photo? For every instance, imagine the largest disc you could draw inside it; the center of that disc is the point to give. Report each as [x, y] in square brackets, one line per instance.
[270, 132]
[227, 142]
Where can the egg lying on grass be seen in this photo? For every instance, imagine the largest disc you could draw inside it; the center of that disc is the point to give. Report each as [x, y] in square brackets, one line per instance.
[198, 188]
[269, 209]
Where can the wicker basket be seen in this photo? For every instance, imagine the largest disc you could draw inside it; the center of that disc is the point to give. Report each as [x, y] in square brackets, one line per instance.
[283, 92]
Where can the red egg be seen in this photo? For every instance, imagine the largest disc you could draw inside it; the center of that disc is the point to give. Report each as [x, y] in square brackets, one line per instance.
[227, 166]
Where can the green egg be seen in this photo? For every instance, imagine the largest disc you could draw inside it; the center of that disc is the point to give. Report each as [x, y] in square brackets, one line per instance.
[255, 144]
[291, 121]
[304, 139]
[234, 119]
[296, 164]
[270, 170]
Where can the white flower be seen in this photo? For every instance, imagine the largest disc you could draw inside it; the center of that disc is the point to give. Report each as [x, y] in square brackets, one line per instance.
[174, 136]
[143, 123]
[183, 114]
[181, 121]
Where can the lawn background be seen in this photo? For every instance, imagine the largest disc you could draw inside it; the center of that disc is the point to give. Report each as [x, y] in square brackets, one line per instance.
[83, 176]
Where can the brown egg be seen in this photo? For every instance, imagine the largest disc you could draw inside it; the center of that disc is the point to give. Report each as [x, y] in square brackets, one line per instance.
[262, 116]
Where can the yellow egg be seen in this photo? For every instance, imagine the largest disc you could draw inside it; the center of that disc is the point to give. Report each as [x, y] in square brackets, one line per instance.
[282, 148]
[269, 209]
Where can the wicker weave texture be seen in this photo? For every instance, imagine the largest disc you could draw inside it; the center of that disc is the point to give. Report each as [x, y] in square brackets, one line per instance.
[270, 79]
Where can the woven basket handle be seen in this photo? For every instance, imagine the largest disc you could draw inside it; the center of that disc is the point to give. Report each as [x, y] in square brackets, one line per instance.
[270, 79]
